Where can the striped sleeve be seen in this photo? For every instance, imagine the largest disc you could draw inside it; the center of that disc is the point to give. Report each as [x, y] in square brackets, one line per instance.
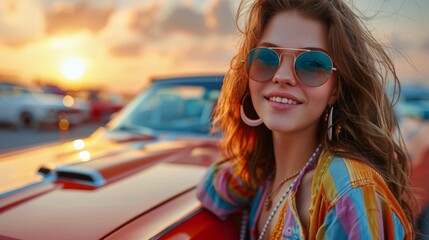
[361, 213]
[356, 203]
[221, 192]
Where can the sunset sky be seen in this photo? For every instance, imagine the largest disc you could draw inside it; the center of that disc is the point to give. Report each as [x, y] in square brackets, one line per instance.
[118, 45]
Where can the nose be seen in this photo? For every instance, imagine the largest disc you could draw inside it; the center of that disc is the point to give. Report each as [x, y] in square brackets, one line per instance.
[285, 71]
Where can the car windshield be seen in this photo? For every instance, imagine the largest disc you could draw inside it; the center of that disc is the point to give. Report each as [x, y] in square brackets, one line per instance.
[170, 107]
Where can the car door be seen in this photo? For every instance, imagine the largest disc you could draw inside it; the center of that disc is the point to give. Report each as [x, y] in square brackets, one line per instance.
[7, 95]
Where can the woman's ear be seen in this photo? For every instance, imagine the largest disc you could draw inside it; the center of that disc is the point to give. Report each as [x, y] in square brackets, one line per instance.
[334, 93]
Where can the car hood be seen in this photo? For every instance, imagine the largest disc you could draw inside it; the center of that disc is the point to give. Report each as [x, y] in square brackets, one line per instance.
[121, 180]
[20, 168]
[103, 149]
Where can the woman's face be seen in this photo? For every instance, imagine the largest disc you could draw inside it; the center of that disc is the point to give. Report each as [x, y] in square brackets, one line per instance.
[303, 105]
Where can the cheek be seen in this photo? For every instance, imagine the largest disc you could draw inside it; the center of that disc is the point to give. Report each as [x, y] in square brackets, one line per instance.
[254, 88]
[322, 97]
[325, 94]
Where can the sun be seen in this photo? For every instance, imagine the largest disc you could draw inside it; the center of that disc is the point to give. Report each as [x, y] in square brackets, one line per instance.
[73, 68]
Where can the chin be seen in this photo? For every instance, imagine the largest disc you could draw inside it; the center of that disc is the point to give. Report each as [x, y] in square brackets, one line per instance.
[279, 127]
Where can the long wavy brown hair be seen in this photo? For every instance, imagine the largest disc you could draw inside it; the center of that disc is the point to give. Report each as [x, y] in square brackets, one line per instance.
[363, 110]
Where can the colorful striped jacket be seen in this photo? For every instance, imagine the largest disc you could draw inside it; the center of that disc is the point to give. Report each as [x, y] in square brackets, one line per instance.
[350, 200]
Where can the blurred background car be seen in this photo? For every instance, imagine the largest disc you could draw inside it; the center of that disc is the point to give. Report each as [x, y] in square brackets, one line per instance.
[26, 107]
[134, 178]
[414, 101]
[101, 104]
[413, 113]
[53, 89]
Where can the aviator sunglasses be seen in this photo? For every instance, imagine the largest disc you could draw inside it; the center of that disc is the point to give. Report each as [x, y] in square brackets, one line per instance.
[313, 68]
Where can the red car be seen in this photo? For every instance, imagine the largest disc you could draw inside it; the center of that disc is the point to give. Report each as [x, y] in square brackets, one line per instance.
[416, 132]
[413, 111]
[101, 104]
[134, 179]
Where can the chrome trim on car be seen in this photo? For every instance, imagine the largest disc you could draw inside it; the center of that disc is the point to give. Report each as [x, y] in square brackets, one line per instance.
[85, 176]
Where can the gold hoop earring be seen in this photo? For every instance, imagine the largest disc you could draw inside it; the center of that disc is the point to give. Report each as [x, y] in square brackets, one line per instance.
[247, 120]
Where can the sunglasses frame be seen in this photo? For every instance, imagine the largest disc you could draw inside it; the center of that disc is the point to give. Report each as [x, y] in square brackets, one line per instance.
[292, 50]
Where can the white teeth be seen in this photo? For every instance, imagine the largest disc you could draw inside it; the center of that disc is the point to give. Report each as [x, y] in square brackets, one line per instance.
[282, 100]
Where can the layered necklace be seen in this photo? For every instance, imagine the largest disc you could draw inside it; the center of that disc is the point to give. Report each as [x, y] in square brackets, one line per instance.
[283, 197]
[269, 201]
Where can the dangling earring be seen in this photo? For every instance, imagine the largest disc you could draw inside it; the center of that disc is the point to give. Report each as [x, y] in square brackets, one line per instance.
[330, 123]
[248, 121]
[337, 131]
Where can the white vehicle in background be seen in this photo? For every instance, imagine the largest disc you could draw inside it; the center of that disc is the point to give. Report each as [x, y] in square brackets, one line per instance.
[25, 107]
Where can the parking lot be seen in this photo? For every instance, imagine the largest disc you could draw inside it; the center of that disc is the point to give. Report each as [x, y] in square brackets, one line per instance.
[13, 139]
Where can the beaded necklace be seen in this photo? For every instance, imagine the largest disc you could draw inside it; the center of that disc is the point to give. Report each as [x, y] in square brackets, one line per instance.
[283, 197]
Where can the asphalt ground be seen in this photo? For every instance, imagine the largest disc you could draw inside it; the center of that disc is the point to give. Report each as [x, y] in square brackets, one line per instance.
[13, 139]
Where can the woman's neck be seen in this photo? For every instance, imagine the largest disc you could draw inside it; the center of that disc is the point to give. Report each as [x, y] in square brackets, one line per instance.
[292, 152]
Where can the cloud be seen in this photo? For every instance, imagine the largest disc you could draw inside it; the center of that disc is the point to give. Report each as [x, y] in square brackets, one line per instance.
[69, 18]
[129, 29]
[218, 19]
[425, 45]
[221, 18]
[156, 23]
[126, 49]
[20, 22]
[215, 53]
[185, 20]
[143, 20]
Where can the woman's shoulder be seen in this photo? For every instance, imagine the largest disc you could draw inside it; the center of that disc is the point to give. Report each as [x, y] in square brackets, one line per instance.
[348, 186]
[336, 176]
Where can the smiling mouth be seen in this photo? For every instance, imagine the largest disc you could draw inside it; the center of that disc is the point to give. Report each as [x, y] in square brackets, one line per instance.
[283, 100]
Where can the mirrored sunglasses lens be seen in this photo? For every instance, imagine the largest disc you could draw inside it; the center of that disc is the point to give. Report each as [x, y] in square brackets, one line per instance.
[262, 64]
[313, 68]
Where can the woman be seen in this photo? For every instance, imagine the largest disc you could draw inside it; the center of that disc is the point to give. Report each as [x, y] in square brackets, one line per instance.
[308, 129]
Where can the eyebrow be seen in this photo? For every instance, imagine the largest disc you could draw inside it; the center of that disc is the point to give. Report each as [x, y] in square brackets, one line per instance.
[272, 45]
